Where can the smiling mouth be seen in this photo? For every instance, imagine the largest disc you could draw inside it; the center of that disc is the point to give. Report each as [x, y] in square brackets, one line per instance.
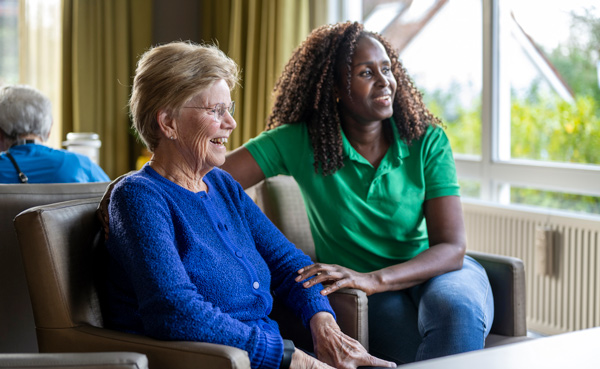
[383, 98]
[219, 141]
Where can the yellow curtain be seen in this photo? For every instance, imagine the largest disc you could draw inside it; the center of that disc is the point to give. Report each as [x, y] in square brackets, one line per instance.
[260, 36]
[39, 59]
[101, 42]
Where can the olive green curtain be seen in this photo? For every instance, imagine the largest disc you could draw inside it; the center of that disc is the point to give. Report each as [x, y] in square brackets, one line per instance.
[260, 36]
[101, 42]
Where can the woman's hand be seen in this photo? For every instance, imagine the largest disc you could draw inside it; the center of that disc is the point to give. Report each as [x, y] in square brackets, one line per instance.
[337, 277]
[301, 360]
[334, 347]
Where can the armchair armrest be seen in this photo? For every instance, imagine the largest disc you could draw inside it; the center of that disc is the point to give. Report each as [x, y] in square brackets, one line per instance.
[507, 278]
[92, 360]
[350, 306]
[161, 354]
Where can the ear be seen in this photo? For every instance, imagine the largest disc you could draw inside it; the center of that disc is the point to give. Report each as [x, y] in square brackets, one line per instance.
[166, 123]
[336, 89]
[336, 94]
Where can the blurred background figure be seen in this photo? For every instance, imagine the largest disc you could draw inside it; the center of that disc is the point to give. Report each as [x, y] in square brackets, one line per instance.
[25, 122]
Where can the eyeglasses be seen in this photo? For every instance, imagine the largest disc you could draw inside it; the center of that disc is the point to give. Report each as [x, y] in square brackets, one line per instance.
[218, 110]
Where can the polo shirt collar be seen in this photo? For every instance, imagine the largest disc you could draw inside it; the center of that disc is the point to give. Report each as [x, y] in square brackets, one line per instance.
[398, 147]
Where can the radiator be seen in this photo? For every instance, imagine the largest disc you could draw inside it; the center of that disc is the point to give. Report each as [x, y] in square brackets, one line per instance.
[561, 254]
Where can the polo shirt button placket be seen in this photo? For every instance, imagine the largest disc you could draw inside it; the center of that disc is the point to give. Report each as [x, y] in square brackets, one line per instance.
[372, 186]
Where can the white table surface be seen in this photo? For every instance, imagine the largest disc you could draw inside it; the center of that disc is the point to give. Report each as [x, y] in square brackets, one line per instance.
[574, 350]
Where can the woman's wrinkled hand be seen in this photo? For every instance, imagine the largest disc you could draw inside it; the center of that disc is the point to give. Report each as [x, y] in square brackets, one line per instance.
[336, 277]
[301, 360]
[335, 348]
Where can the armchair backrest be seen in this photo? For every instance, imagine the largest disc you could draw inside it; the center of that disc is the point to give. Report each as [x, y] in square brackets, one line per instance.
[58, 245]
[281, 201]
[16, 318]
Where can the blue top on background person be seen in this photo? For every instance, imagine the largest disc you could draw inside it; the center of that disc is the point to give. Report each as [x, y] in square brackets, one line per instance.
[25, 122]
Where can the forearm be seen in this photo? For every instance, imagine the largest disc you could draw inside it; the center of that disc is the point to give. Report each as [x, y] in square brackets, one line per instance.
[437, 260]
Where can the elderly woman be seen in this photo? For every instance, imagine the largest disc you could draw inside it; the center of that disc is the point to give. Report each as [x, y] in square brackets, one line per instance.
[377, 174]
[191, 256]
[25, 122]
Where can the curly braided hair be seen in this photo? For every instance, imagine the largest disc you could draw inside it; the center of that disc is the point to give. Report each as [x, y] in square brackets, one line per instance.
[305, 92]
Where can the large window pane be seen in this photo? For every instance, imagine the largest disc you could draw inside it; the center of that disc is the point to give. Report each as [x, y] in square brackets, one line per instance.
[469, 188]
[440, 45]
[551, 62]
[9, 42]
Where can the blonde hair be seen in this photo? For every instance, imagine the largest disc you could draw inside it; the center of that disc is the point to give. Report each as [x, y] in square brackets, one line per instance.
[168, 76]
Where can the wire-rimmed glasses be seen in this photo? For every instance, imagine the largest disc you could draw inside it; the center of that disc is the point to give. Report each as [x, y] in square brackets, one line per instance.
[218, 110]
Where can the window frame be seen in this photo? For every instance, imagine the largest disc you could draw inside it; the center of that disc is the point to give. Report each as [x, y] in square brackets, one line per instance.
[496, 173]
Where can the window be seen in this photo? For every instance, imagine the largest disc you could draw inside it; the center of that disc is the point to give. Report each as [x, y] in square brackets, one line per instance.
[549, 104]
[550, 62]
[30, 45]
[518, 92]
[9, 42]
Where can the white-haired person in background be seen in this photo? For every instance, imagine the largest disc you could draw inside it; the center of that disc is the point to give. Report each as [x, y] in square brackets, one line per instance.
[25, 122]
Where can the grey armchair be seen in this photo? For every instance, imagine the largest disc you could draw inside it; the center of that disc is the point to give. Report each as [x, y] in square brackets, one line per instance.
[16, 316]
[59, 244]
[100, 360]
[280, 199]
[18, 344]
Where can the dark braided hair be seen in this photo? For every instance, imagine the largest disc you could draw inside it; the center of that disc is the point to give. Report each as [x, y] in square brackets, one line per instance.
[305, 92]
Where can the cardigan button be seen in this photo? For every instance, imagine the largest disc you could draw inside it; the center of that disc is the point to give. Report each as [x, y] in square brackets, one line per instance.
[239, 254]
[255, 285]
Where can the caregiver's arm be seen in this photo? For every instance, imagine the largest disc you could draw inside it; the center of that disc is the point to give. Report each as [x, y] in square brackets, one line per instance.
[243, 168]
[447, 247]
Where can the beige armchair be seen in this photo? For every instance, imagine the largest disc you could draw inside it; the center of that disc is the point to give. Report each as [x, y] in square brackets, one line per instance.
[282, 202]
[16, 317]
[59, 245]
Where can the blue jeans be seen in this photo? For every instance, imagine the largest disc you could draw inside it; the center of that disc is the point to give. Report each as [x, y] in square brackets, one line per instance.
[448, 314]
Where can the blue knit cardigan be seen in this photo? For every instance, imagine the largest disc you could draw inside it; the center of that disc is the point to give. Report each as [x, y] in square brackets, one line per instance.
[201, 266]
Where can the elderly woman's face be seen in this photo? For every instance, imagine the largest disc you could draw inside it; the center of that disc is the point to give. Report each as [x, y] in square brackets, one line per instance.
[202, 131]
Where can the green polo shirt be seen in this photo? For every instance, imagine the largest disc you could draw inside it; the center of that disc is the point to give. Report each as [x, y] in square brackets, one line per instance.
[362, 217]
